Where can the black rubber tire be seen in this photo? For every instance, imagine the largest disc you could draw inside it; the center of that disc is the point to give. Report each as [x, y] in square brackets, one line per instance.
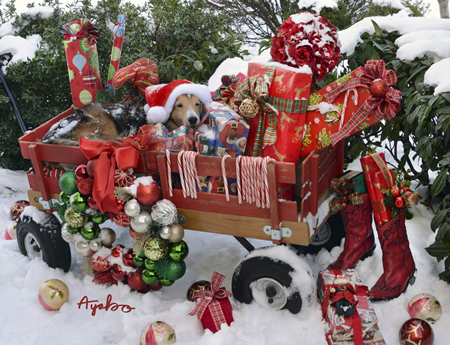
[55, 251]
[337, 234]
[259, 267]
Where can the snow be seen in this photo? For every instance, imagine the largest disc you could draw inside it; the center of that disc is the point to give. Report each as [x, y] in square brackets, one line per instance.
[27, 322]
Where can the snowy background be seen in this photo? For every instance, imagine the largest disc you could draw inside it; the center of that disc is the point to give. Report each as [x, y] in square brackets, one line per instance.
[24, 321]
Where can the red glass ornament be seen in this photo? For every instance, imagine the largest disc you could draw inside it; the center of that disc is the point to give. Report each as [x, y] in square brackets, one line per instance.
[17, 208]
[135, 281]
[378, 88]
[117, 273]
[85, 186]
[123, 178]
[197, 287]
[399, 202]
[156, 287]
[100, 264]
[416, 331]
[90, 167]
[406, 189]
[116, 251]
[128, 259]
[148, 194]
[81, 172]
[121, 219]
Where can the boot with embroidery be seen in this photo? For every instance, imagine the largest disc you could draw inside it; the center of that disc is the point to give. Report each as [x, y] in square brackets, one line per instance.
[398, 263]
[359, 238]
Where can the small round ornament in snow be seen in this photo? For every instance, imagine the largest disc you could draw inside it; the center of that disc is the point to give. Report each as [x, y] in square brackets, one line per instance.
[11, 231]
[107, 236]
[426, 307]
[196, 287]
[148, 194]
[53, 294]
[158, 333]
[17, 208]
[100, 263]
[416, 331]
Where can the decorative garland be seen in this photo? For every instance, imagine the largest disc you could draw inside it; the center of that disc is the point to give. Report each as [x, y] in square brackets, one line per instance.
[157, 256]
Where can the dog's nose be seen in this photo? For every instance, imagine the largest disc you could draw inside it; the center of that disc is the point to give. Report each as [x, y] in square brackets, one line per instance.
[192, 120]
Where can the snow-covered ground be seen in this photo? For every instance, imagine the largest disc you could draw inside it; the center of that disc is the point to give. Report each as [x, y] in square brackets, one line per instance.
[24, 321]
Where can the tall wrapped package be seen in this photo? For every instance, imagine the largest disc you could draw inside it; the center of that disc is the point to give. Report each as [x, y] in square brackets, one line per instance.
[82, 61]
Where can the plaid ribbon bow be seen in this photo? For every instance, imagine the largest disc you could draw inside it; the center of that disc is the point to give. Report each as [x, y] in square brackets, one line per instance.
[79, 29]
[385, 107]
[209, 299]
[257, 89]
[343, 187]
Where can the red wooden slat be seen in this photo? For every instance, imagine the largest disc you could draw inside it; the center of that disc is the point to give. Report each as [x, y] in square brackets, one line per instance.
[305, 207]
[314, 184]
[37, 166]
[217, 203]
[52, 183]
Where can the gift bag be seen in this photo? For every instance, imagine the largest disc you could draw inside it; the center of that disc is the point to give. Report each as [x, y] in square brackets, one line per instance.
[350, 104]
[213, 306]
[341, 329]
[82, 62]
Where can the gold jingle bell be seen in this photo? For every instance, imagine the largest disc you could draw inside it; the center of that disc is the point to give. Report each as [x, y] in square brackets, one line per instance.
[249, 108]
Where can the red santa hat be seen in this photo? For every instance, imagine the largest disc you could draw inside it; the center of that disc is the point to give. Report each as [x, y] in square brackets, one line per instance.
[161, 98]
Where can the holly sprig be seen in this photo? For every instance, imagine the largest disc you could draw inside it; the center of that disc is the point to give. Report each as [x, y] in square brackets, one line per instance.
[394, 199]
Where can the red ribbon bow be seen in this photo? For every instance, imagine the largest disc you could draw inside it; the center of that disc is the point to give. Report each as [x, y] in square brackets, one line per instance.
[209, 298]
[385, 107]
[109, 157]
[85, 29]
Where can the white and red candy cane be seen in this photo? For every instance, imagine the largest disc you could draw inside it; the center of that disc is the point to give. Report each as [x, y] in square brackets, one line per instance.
[224, 174]
[169, 172]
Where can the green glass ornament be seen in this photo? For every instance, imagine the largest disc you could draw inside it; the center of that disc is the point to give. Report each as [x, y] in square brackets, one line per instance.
[179, 251]
[97, 218]
[63, 197]
[149, 264]
[169, 269]
[166, 282]
[155, 248]
[142, 254]
[138, 261]
[74, 218]
[72, 230]
[78, 203]
[89, 233]
[67, 182]
[149, 277]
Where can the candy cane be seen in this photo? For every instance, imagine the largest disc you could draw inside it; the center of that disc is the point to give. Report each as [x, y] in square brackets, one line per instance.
[224, 174]
[267, 160]
[180, 168]
[238, 179]
[169, 172]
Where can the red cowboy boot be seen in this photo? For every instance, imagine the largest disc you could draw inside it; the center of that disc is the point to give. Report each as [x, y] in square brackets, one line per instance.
[398, 263]
[359, 239]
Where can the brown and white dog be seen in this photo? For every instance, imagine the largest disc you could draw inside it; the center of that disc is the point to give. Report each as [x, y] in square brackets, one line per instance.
[186, 111]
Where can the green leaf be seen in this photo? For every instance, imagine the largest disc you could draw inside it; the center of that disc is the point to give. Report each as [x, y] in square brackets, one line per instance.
[439, 183]
[445, 276]
[439, 250]
[378, 30]
[438, 219]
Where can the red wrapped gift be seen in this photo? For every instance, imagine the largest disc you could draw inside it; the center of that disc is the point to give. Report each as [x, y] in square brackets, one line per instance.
[82, 62]
[350, 104]
[282, 94]
[362, 326]
[213, 306]
[375, 182]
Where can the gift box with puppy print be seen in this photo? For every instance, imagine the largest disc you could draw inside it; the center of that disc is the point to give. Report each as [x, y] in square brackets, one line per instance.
[364, 321]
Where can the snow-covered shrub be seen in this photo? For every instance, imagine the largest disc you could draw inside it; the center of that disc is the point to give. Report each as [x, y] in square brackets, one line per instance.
[418, 137]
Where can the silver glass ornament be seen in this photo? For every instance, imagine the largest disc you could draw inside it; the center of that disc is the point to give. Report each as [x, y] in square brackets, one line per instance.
[107, 236]
[65, 234]
[132, 208]
[177, 233]
[82, 248]
[95, 245]
[141, 222]
[165, 232]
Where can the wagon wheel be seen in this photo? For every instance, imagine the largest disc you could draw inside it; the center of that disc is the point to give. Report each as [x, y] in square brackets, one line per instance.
[264, 277]
[43, 240]
[329, 236]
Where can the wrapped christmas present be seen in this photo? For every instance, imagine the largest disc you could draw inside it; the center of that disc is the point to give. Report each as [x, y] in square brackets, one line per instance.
[225, 92]
[82, 62]
[350, 104]
[213, 306]
[225, 132]
[386, 197]
[347, 309]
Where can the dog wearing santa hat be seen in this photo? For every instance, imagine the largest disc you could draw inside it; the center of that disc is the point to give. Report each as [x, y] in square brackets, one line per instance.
[176, 104]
